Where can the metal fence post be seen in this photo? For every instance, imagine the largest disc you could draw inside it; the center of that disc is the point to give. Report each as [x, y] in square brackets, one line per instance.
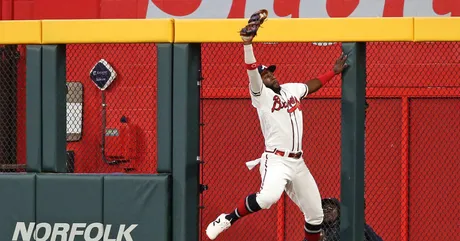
[34, 108]
[352, 170]
[165, 104]
[54, 108]
[186, 133]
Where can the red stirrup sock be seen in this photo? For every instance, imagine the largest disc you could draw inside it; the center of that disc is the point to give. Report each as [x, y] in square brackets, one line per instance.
[312, 236]
[245, 207]
[312, 232]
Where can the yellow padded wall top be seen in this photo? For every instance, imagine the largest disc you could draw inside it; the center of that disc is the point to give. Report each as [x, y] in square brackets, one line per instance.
[20, 32]
[437, 29]
[418, 29]
[297, 30]
[108, 31]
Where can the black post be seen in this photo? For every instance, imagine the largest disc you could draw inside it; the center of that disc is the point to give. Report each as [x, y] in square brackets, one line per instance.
[186, 136]
[352, 173]
[34, 108]
[54, 108]
[165, 107]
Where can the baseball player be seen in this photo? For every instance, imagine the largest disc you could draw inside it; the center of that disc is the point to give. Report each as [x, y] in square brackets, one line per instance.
[282, 166]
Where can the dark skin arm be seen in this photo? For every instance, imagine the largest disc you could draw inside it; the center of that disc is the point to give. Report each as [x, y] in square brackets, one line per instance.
[314, 84]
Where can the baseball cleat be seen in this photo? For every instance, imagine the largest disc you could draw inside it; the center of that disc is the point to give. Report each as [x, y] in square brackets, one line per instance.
[217, 226]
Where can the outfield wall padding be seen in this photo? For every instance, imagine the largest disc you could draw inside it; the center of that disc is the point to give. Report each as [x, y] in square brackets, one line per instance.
[85, 207]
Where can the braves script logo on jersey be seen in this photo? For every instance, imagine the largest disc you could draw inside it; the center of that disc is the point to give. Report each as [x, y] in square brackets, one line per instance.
[291, 105]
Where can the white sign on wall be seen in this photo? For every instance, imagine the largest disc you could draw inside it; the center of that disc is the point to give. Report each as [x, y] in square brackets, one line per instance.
[302, 8]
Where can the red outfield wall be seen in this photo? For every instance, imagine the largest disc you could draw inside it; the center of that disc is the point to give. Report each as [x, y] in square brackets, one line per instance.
[411, 131]
[412, 152]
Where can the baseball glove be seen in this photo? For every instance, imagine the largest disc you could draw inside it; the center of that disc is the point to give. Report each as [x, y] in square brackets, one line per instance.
[250, 30]
[258, 17]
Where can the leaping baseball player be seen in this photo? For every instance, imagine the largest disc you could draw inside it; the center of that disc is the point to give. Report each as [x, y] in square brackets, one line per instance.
[282, 166]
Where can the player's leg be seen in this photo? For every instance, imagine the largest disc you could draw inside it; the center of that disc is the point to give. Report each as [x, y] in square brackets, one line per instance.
[274, 175]
[304, 192]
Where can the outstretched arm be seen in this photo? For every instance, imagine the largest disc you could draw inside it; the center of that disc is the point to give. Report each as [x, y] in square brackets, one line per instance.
[255, 81]
[316, 83]
[247, 34]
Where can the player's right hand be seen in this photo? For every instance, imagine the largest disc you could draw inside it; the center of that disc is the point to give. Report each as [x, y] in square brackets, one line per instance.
[340, 64]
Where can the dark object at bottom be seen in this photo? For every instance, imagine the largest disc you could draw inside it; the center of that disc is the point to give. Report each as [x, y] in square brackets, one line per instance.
[331, 223]
[70, 163]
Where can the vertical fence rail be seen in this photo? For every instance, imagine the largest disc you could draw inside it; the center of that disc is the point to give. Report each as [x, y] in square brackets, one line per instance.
[280, 216]
[54, 115]
[186, 142]
[352, 166]
[405, 169]
[34, 106]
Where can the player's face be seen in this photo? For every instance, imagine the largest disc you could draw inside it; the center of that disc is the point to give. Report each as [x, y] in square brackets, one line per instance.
[270, 80]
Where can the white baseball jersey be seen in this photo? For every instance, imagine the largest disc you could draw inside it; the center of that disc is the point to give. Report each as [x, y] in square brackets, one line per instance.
[280, 115]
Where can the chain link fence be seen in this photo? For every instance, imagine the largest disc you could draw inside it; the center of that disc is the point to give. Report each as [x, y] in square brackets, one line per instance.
[412, 128]
[111, 108]
[12, 108]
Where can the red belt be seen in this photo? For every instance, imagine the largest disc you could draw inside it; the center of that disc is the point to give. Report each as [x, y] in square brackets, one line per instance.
[295, 155]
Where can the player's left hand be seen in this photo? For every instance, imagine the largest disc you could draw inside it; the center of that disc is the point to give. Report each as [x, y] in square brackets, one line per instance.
[340, 64]
[255, 21]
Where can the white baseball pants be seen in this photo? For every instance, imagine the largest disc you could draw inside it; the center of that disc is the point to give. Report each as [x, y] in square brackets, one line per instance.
[291, 175]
